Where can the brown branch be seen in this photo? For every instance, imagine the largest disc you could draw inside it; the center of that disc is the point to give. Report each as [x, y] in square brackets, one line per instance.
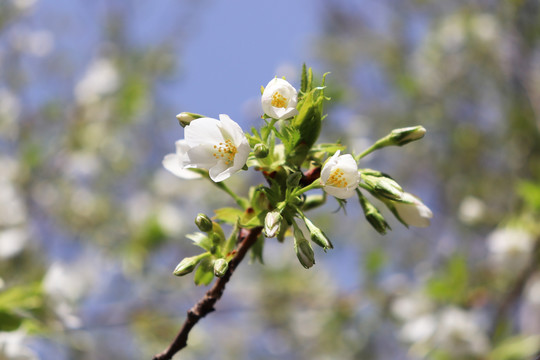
[246, 239]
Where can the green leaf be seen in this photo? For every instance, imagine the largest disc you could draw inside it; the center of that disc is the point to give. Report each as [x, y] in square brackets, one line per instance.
[375, 261]
[516, 348]
[257, 250]
[205, 272]
[304, 80]
[451, 284]
[201, 240]
[9, 321]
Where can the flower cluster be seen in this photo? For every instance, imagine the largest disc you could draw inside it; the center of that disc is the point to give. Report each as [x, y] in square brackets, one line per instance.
[285, 152]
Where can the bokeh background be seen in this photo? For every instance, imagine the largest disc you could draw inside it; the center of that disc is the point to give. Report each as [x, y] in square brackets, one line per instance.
[91, 225]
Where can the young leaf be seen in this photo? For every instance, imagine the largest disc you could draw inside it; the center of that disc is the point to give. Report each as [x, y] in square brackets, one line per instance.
[205, 272]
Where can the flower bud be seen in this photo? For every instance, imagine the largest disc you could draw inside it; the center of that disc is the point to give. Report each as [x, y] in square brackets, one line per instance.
[412, 211]
[272, 224]
[186, 266]
[260, 151]
[184, 118]
[317, 236]
[383, 186]
[303, 249]
[203, 222]
[406, 135]
[220, 267]
[373, 216]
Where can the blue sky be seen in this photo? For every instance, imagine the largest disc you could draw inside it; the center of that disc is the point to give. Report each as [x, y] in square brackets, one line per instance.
[237, 46]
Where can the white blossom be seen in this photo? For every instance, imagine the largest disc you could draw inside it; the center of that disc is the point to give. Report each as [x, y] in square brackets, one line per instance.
[413, 211]
[13, 346]
[510, 248]
[339, 176]
[219, 146]
[279, 99]
[101, 78]
[459, 333]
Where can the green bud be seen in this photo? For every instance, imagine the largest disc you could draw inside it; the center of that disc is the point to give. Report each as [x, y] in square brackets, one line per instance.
[260, 151]
[203, 222]
[373, 216]
[220, 267]
[187, 265]
[272, 224]
[317, 236]
[303, 249]
[406, 135]
[184, 118]
[383, 186]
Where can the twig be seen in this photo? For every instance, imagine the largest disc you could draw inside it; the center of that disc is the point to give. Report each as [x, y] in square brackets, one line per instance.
[246, 239]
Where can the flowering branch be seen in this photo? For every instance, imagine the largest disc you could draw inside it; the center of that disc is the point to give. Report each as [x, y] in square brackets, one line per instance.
[285, 151]
[246, 239]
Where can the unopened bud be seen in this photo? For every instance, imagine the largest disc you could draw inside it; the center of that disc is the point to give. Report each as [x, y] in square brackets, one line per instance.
[220, 267]
[383, 186]
[303, 249]
[185, 118]
[186, 265]
[406, 135]
[317, 236]
[260, 151]
[373, 216]
[272, 224]
[203, 222]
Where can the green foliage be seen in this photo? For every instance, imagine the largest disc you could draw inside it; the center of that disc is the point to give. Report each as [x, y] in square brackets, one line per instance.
[450, 285]
[20, 305]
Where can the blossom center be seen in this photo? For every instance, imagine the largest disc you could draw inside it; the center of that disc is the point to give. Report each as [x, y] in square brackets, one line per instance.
[225, 151]
[279, 100]
[337, 178]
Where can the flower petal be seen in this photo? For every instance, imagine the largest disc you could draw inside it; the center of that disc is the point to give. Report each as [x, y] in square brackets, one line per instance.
[203, 131]
[172, 162]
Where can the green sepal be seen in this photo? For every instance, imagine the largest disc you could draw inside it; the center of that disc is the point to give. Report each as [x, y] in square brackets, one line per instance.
[201, 240]
[205, 272]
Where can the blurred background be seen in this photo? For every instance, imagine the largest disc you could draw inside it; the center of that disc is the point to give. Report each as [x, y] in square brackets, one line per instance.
[91, 225]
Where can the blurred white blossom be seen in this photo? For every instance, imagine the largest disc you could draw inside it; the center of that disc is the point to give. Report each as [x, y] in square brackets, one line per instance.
[12, 241]
[459, 333]
[411, 306]
[471, 210]
[510, 249]
[13, 346]
[101, 78]
[12, 207]
[23, 4]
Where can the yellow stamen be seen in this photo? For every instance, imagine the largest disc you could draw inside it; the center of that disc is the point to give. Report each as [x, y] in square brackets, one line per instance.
[279, 100]
[337, 179]
[226, 151]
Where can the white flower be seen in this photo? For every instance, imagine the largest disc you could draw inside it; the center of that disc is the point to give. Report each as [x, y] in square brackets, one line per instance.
[510, 248]
[279, 99]
[218, 146]
[13, 345]
[459, 334]
[413, 211]
[339, 176]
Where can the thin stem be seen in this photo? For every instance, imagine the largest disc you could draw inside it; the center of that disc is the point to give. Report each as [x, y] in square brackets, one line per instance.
[246, 239]
[314, 185]
[368, 151]
[242, 202]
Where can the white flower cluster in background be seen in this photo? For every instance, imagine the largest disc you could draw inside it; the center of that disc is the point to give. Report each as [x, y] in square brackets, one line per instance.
[510, 249]
[452, 330]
